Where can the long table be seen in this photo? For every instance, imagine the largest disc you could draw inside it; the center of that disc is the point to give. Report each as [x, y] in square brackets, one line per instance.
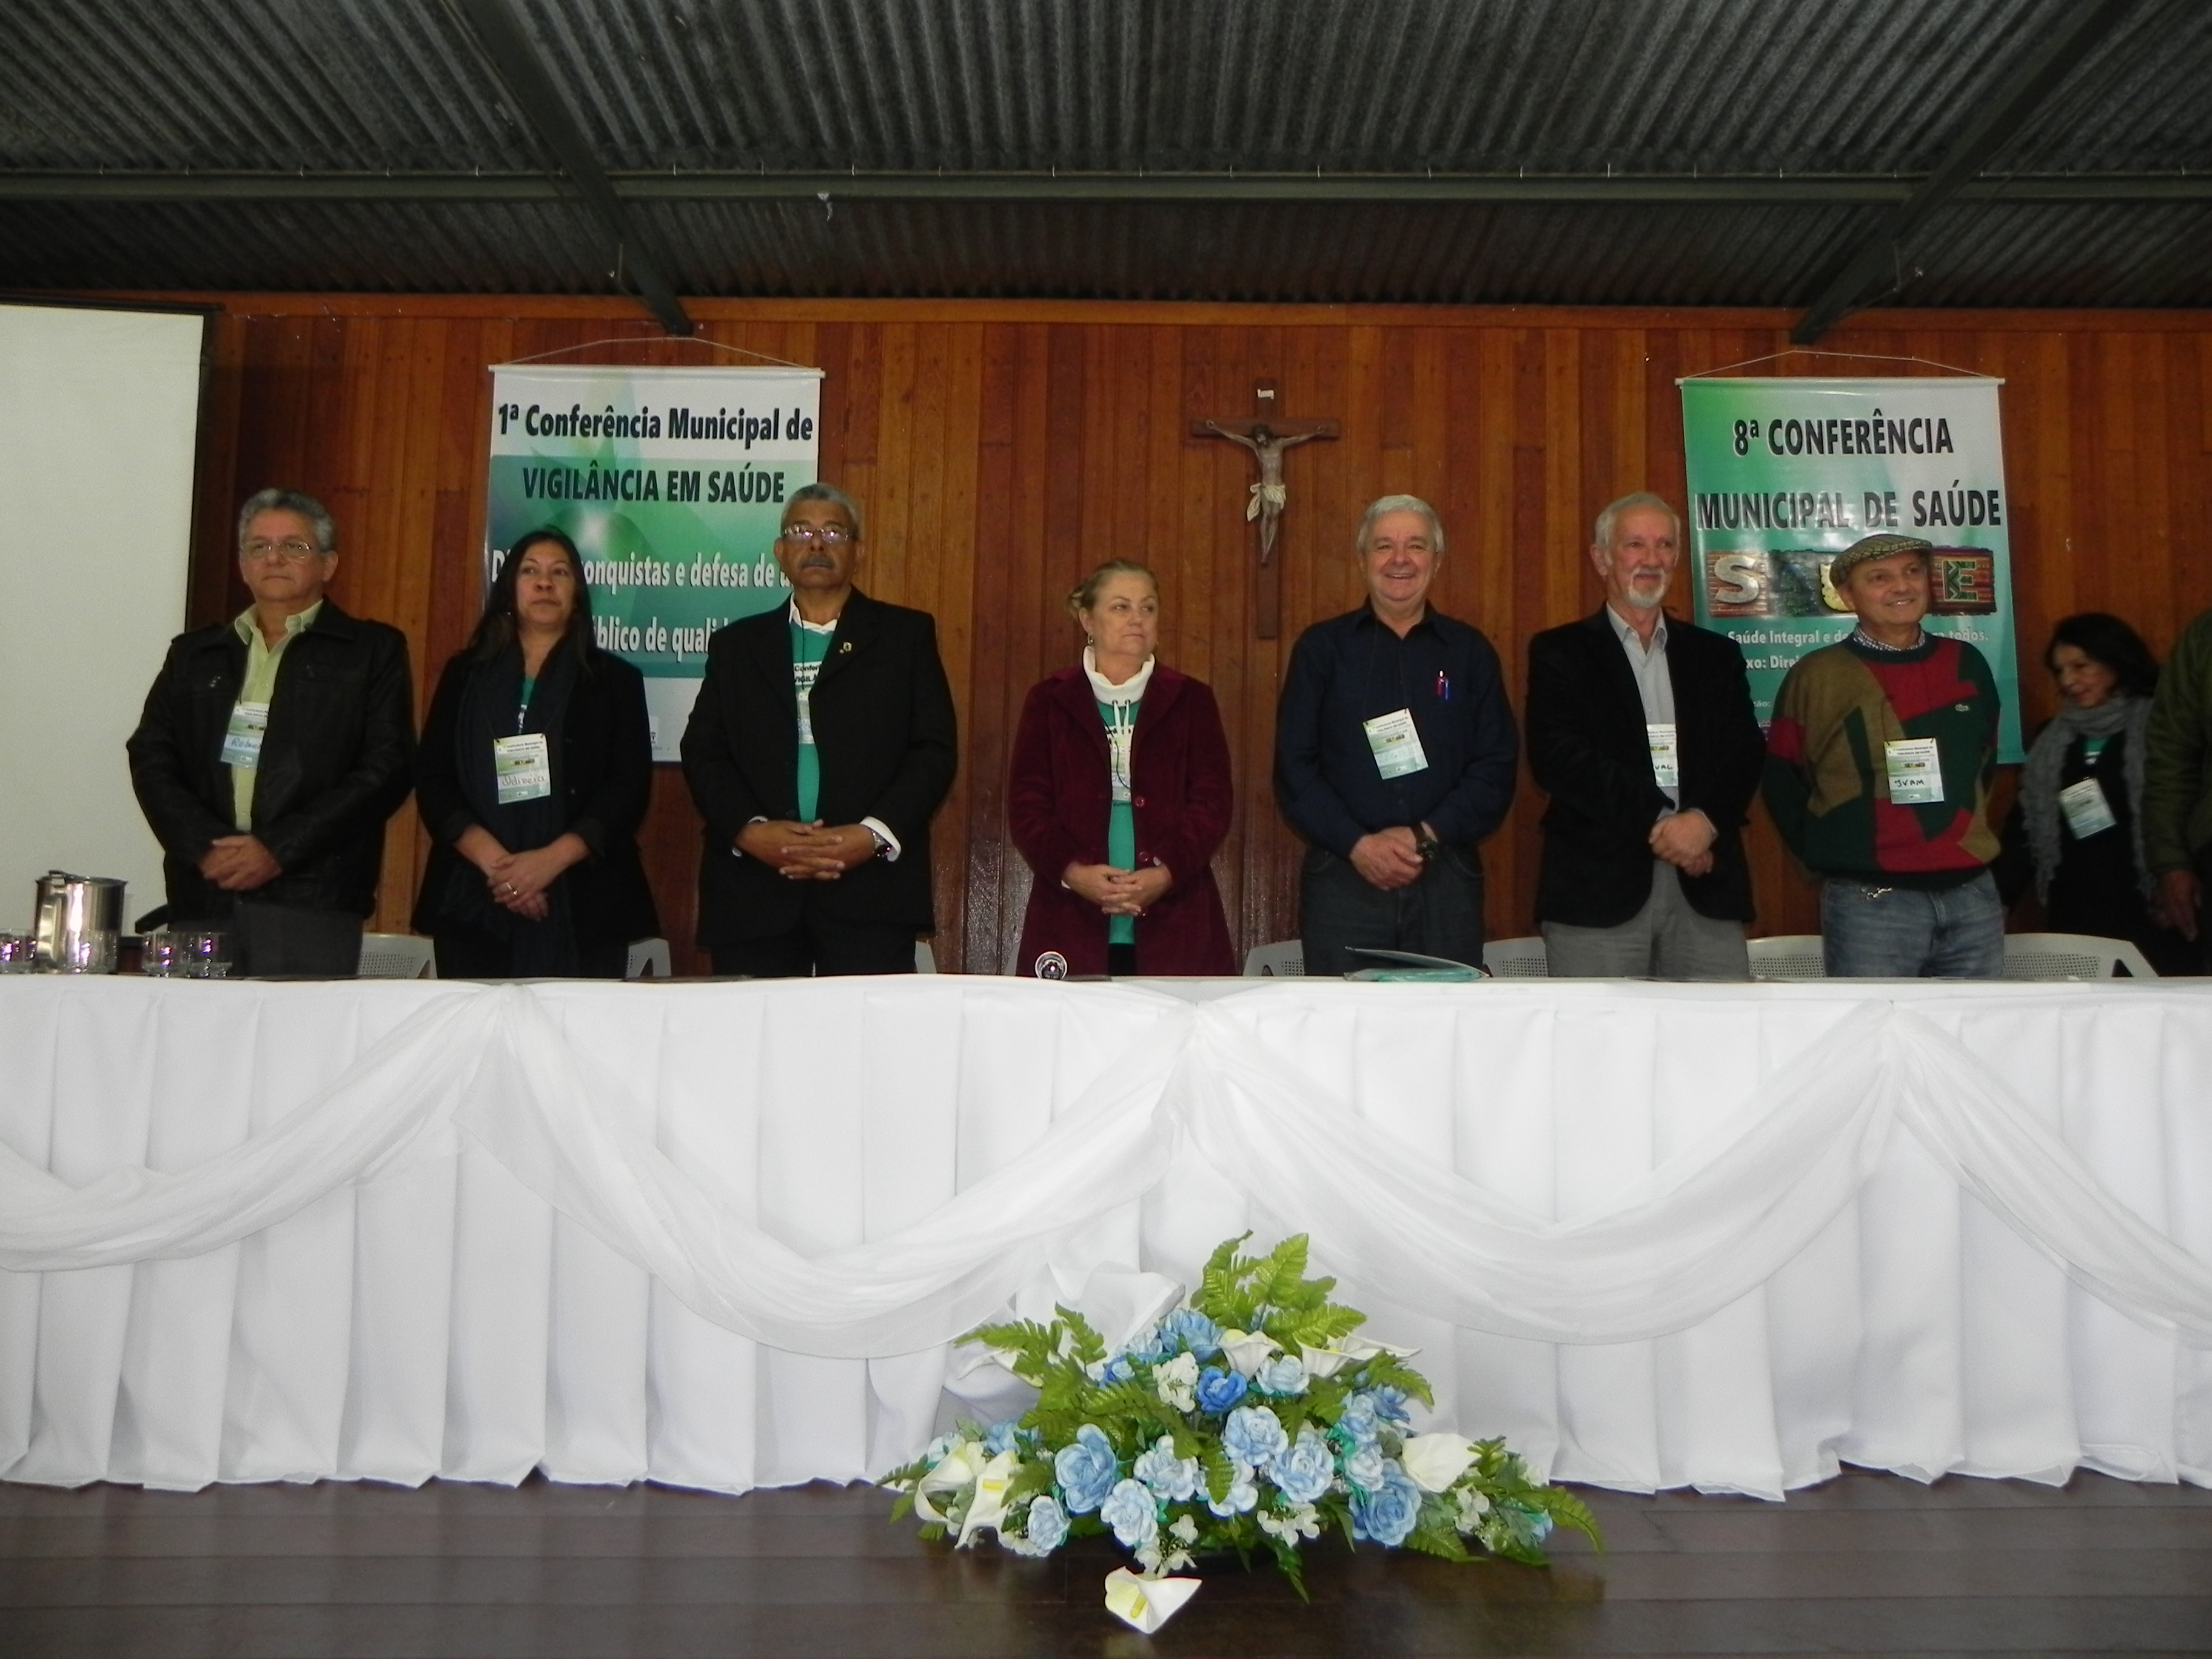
[722, 1235]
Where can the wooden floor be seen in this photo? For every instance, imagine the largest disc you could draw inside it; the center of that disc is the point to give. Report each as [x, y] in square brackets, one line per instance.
[1868, 1564]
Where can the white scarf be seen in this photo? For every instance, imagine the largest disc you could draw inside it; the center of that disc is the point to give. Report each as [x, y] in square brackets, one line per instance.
[1122, 728]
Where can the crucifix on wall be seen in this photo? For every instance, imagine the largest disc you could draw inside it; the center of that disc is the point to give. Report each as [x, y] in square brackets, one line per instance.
[1267, 435]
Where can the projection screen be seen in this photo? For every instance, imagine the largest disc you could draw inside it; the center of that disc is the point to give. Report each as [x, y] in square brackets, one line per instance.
[99, 417]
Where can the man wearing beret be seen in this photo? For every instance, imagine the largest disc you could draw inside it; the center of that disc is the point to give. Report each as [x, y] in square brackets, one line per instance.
[1878, 773]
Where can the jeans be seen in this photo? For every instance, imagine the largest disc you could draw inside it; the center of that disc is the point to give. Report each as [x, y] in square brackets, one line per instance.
[1440, 914]
[1869, 931]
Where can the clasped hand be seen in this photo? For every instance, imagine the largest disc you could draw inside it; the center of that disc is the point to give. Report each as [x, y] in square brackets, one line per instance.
[1116, 891]
[807, 852]
[239, 864]
[518, 881]
[1685, 840]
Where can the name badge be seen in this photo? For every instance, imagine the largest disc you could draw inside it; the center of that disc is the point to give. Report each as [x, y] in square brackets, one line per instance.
[1666, 763]
[1397, 743]
[241, 739]
[521, 767]
[1916, 772]
[2087, 812]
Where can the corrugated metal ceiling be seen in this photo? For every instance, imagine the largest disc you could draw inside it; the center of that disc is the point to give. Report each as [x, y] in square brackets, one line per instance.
[1682, 88]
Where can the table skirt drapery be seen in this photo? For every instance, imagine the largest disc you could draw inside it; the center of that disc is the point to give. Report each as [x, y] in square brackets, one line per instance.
[719, 1235]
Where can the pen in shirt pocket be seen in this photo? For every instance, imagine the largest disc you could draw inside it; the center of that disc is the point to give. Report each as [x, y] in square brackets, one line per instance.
[1444, 686]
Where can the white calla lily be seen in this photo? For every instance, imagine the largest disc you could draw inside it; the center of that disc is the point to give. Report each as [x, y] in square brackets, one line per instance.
[1346, 1351]
[1247, 1350]
[1436, 1462]
[1145, 1604]
[989, 1508]
[956, 1469]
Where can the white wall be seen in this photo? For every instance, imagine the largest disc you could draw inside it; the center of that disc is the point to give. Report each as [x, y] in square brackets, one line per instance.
[99, 413]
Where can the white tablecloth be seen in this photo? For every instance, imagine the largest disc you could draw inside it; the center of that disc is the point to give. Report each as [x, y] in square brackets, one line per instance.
[427, 1310]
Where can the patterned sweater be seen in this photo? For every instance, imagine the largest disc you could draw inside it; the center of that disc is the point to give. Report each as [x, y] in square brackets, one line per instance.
[1828, 778]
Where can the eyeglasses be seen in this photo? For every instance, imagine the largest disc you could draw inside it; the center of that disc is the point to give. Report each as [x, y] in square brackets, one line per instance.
[294, 551]
[825, 535]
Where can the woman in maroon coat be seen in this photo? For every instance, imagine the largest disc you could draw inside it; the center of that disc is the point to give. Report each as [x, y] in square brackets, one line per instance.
[1120, 793]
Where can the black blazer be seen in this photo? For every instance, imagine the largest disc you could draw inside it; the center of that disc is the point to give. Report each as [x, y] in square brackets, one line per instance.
[606, 778]
[1588, 751]
[884, 727]
[334, 762]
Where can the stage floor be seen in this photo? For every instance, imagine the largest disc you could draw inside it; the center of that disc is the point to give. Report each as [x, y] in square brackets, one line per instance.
[1865, 1563]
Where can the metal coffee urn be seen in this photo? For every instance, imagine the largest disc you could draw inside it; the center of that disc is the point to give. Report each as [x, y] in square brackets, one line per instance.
[79, 923]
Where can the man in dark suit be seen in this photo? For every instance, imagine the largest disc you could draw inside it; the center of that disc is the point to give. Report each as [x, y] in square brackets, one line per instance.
[272, 749]
[821, 743]
[1641, 731]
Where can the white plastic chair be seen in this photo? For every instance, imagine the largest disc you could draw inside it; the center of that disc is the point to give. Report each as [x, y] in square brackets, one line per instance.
[648, 959]
[1284, 959]
[925, 959]
[1516, 959]
[397, 955]
[2072, 956]
[1787, 956]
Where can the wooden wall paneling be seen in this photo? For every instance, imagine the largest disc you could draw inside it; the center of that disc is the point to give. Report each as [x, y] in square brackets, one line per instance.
[997, 558]
[1001, 449]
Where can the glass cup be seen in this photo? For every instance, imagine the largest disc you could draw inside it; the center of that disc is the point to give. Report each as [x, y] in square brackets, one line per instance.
[162, 955]
[206, 953]
[17, 952]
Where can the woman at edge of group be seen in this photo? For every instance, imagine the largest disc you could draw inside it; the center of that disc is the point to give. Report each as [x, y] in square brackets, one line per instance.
[1120, 793]
[546, 883]
[2082, 847]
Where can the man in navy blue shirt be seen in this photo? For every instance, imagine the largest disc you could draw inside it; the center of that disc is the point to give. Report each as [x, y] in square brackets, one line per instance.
[1395, 753]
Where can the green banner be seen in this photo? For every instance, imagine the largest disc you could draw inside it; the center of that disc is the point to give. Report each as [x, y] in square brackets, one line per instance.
[671, 482]
[1784, 474]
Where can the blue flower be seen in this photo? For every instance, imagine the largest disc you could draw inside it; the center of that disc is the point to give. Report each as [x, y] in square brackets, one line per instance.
[1364, 1466]
[1390, 1405]
[1000, 1436]
[1388, 1515]
[1252, 1435]
[1217, 1390]
[1151, 1344]
[1129, 1510]
[1047, 1527]
[1168, 1477]
[1285, 1375]
[1117, 1370]
[1196, 1333]
[1242, 1497]
[1087, 1469]
[1306, 1470]
[1359, 1420]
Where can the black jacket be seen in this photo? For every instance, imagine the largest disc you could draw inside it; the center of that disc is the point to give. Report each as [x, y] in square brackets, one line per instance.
[605, 783]
[335, 761]
[884, 728]
[1589, 750]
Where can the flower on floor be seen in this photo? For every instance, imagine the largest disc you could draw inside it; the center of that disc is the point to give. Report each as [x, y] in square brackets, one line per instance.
[1250, 1420]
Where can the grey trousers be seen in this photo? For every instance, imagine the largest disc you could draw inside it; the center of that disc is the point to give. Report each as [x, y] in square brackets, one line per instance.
[1666, 939]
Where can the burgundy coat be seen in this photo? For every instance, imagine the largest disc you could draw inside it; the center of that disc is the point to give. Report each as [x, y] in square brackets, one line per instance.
[1061, 793]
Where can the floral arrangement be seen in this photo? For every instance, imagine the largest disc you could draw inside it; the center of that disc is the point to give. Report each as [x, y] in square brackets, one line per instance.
[1248, 1418]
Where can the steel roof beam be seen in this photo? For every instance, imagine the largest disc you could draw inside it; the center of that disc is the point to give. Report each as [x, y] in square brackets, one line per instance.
[1987, 130]
[539, 104]
[1808, 190]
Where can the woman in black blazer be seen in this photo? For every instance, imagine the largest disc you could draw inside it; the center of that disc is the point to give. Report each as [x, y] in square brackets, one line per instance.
[534, 771]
